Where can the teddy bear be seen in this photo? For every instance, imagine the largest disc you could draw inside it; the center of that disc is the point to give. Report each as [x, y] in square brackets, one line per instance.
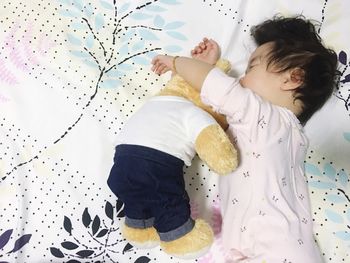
[147, 175]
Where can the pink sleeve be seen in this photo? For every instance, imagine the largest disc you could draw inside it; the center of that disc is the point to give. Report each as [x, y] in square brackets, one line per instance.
[256, 117]
[225, 94]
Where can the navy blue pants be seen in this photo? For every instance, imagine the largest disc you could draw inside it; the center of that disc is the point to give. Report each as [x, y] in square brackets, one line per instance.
[150, 183]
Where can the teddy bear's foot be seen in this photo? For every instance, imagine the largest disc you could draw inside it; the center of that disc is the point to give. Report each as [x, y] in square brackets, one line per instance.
[192, 245]
[141, 238]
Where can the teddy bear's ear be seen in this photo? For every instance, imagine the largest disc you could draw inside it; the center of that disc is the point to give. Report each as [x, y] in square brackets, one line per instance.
[216, 150]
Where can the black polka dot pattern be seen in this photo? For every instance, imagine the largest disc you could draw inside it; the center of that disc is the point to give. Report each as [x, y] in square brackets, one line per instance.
[71, 73]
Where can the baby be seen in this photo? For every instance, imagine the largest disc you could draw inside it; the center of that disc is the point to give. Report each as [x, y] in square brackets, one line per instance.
[290, 75]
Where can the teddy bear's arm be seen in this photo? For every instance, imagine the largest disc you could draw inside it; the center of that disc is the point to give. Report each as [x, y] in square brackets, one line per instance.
[223, 64]
[216, 150]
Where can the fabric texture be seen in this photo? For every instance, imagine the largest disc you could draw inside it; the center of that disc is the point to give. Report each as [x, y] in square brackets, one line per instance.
[150, 183]
[167, 123]
[265, 202]
[72, 72]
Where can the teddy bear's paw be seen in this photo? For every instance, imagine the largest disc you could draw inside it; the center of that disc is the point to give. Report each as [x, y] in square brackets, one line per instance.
[141, 238]
[192, 245]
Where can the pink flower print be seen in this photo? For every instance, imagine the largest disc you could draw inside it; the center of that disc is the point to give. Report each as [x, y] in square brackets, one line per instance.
[6, 75]
[194, 209]
[208, 258]
[216, 218]
[23, 55]
[3, 98]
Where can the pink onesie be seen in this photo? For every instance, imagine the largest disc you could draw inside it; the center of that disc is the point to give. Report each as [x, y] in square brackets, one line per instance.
[265, 202]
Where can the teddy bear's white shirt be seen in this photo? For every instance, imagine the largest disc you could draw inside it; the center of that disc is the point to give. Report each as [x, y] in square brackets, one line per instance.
[167, 123]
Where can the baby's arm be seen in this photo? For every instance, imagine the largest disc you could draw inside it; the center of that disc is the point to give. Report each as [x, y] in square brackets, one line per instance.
[192, 70]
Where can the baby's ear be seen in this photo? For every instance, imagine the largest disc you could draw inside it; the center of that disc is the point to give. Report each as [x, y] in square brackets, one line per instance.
[297, 75]
[294, 78]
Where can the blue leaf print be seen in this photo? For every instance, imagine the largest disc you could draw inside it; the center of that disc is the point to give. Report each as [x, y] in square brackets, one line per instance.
[86, 218]
[67, 2]
[172, 49]
[90, 63]
[343, 177]
[141, 60]
[69, 245]
[96, 224]
[336, 198]
[147, 34]
[69, 13]
[176, 35]
[139, 45]
[151, 54]
[23, 240]
[5, 237]
[329, 171]
[78, 4]
[80, 54]
[346, 79]
[99, 22]
[170, 2]
[343, 235]
[128, 35]
[85, 253]
[342, 57]
[154, 8]
[115, 73]
[158, 21]
[56, 252]
[67, 224]
[107, 5]
[110, 83]
[174, 25]
[72, 39]
[321, 185]
[347, 136]
[89, 41]
[89, 10]
[78, 26]
[142, 259]
[125, 67]
[124, 50]
[334, 217]
[348, 215]
[312, 169]
[123, 8]
[140, 16]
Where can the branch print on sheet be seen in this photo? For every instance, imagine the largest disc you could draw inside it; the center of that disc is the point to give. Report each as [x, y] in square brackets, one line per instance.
[130, 42]
[102, 242]
[343, 91]
[18, 244]
[335, 182]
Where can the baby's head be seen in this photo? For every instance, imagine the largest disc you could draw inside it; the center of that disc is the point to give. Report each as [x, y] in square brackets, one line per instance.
[290, 66]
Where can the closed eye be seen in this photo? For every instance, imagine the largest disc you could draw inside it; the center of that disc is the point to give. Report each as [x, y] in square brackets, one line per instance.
[250, 66]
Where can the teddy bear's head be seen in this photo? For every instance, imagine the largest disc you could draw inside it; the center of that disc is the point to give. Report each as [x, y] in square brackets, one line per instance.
[176, 86]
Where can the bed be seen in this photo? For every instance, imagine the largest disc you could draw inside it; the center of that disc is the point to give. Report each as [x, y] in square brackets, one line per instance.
[73, 71]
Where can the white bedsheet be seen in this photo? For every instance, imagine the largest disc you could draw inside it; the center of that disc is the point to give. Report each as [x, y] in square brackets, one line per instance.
[67, 85]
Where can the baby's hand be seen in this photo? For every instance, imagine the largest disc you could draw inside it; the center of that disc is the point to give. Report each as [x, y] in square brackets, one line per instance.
[162, 64]
[207, 51]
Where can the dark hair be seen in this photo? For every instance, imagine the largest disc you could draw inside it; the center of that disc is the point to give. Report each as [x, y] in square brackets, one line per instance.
[298, 45]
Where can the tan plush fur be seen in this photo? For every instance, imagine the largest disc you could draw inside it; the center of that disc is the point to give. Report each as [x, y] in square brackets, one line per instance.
[192, 244]
[214, 147]
[143, 238]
